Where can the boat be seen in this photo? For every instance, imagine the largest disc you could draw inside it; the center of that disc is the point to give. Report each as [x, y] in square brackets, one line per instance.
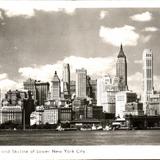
[94, 128]
[85, 129]
[99, 128]
[59, 128]
[107, 128]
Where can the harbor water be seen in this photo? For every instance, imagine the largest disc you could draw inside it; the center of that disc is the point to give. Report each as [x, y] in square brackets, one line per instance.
[49, 137]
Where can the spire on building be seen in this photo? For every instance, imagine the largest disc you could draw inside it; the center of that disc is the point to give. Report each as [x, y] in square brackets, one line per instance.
[121, 52]
[56, 78]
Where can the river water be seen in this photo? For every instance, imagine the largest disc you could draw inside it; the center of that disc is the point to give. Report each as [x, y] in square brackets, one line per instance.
[118, 137]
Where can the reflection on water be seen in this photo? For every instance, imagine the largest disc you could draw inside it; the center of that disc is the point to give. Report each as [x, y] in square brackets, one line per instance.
[139, 137]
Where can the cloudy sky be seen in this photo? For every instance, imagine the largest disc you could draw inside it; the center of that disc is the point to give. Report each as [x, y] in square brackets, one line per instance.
[36, 40]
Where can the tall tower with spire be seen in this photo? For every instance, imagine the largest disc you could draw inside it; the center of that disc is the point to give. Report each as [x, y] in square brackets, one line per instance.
[121, 70]
[55, 87]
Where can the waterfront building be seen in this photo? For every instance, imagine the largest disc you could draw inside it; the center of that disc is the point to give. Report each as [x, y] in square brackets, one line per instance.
[20, 98]
[122, 100]
[79, 108]
[65, 114]
[55, 87]
[42, 90]
[36, 116]
[107, 87]
[153, 106]
[94, 112]
[81, 83]
[50, 115]
[11, 114]
[147, 76]
[66, 80]
[134, 109]
[29, 85]
[121, 70]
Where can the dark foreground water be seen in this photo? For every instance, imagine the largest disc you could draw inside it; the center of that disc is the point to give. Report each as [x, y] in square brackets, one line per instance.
[121, 137]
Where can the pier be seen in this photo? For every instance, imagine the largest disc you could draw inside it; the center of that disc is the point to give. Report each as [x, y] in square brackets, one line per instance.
[143, 122]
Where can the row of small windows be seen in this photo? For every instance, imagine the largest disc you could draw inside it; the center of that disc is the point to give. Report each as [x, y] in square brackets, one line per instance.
[149, 62]
[148, 55]
[149, 73]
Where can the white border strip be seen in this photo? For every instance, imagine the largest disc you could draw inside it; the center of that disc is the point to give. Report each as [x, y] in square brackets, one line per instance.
[86, 4]
[79, 152]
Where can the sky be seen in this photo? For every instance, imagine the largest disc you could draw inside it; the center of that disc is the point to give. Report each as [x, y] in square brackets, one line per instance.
[36, 40]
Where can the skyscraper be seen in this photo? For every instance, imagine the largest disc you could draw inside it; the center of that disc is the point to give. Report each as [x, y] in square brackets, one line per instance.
[42, 89]
[147, 75]
[55, 87]
[121, 70]
[107, 87]
[66, 79]
[66, 73]
[29, 85]
[81, 83]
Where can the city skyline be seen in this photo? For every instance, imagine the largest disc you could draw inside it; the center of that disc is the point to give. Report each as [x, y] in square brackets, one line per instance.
[35, 43]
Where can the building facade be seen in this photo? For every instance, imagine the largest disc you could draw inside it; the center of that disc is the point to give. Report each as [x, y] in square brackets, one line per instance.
[81, 83]
[80, 108]
[107, 87]
[153, 106]
[94, 112]
[134, 109]
[20, 98]
[11, 114]
[147, 76]
[121, 70]
[66, 79]
[42, 90]
[50, 115]
[29, 85]
[93, 84]
[65, 114]
[36, 116]
[72, 88]
[122, 99]
[55, 87]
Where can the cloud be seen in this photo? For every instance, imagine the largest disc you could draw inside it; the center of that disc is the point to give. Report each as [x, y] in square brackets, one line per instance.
[146, 39]
[151, 29]
[7, 84]
[103, 14]
[156, 82]
[3, 76]
[137, 78]
[135, 82]
[27, 8]
[146, 16]
[116, 36]
[138, 61]
[95, 67]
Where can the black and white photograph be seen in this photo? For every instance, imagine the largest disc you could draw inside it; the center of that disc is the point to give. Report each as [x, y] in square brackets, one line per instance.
[78, 76]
